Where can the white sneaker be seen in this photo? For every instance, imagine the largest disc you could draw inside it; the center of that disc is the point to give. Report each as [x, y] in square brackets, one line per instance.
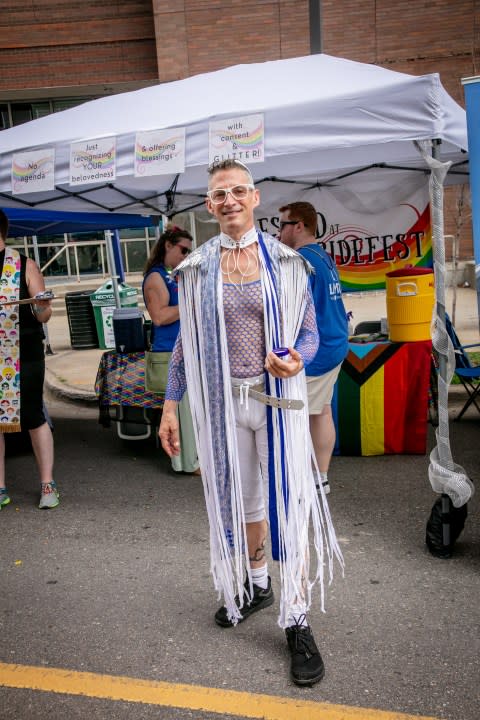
[326, 488]
[49, 497]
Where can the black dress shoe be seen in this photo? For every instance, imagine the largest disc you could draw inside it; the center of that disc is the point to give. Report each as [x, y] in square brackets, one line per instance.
[306, 667]
[261, 599]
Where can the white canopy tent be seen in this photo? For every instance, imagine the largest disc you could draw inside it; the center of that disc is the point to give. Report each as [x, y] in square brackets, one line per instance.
[325, 119]
[328, 122]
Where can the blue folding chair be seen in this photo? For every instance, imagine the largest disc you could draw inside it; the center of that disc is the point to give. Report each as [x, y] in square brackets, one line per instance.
[468, 374]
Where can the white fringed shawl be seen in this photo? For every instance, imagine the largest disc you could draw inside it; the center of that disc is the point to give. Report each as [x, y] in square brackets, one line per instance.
[293, 503]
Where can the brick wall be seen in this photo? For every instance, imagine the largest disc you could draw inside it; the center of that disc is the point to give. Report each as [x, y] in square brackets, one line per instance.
[412, 37]
[172, 39]
[197, 36]
[53, 43]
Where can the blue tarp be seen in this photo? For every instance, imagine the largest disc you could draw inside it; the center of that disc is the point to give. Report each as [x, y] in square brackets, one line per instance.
[49, 222]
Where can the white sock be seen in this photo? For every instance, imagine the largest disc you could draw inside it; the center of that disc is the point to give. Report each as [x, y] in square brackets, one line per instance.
[260, 576]
[322, 479]
[297, 617]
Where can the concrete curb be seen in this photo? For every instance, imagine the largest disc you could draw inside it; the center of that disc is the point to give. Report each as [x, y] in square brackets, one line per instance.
[66, 392]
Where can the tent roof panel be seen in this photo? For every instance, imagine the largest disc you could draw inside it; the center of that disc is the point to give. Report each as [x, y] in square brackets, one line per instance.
[322, 115]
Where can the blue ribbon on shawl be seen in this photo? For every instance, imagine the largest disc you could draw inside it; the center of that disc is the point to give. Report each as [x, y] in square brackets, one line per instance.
[272, 309]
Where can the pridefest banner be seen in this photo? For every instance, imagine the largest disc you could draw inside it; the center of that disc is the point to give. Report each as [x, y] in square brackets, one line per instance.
[366, 243]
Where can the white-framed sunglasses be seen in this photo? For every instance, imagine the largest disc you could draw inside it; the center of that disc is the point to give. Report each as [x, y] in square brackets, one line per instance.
[238, 192]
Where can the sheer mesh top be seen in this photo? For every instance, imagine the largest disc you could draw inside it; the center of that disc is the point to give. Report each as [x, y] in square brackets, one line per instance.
[243, 311]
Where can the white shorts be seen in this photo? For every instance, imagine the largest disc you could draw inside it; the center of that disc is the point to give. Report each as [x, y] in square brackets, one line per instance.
[320, 390]
[252, 440]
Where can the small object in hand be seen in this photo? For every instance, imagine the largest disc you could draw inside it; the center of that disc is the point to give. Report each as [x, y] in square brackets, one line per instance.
[45, 295]
[282, 353]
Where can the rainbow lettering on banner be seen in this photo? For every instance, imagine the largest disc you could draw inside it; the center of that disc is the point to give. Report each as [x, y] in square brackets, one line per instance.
[363, 259]
[239, 138]
[369, 228]
[33, 171]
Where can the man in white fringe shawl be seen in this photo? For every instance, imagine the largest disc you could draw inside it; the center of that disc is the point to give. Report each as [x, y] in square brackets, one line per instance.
[242, 295]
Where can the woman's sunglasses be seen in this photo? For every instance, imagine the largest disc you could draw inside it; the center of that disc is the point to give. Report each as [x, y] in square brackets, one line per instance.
[185, 250]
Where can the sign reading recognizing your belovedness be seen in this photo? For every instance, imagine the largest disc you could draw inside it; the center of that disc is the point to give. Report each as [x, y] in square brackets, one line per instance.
[92, 161]
[240, 138]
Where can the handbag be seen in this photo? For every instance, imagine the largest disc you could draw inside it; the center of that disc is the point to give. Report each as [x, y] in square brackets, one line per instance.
[156, 371]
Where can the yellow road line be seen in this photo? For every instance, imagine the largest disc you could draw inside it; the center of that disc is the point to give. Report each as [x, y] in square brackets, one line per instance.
[190, 697]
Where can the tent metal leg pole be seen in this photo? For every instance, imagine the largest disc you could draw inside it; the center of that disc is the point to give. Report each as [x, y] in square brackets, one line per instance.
[442, 368]
[48, 349]
[111, 264]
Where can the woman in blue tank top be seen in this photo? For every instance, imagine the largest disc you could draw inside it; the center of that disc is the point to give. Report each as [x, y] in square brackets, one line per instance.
[160, 289]
[160, 293]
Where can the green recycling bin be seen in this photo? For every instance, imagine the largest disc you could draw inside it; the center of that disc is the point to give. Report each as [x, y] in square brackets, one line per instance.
[103, 303]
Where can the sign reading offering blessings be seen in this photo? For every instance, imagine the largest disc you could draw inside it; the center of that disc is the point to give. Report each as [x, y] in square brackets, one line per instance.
[33, 171]
[92, 161]
[160, 152]
[240, 138]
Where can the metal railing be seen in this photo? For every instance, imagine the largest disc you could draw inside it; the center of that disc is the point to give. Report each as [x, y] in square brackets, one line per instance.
[70, 252]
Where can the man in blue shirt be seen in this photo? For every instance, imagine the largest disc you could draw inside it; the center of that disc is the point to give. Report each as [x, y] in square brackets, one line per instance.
[298, 227]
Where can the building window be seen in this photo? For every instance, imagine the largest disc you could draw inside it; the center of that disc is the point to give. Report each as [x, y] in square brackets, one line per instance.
[4, 121]
[16, 113]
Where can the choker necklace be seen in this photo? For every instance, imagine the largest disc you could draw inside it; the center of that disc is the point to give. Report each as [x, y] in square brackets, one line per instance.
[248, 239]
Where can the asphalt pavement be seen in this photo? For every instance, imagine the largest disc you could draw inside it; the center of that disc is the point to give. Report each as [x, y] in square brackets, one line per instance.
[115, 582]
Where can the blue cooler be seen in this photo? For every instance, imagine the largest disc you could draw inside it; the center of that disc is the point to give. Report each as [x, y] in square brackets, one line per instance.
[128, 330]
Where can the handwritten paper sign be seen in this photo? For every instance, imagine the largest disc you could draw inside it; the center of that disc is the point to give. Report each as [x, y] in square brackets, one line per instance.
[33, 171]
[240, 138]
[92, 161]
[160, 152]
